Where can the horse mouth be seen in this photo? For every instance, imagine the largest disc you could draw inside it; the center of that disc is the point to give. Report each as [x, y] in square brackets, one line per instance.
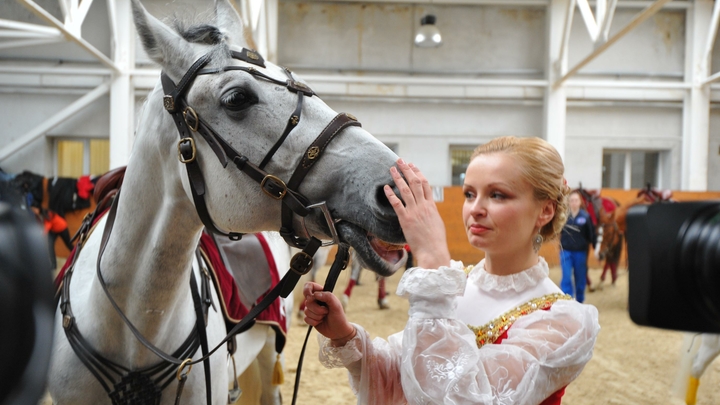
[380, 256]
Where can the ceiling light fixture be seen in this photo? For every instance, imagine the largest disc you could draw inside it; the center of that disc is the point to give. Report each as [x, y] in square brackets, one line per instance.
[428, 35]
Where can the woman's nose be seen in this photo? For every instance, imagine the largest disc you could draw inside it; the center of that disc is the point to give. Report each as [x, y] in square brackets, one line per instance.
[479, 208]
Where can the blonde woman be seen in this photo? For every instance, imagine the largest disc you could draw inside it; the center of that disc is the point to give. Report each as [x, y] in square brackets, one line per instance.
[500, 332]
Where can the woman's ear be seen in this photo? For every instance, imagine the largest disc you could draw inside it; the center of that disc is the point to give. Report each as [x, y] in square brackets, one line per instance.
[547, 213]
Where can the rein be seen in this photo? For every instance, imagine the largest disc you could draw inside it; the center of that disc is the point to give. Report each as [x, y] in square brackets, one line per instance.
[188, 123]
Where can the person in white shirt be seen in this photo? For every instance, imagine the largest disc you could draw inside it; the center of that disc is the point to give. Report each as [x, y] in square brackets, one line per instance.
[499, 332]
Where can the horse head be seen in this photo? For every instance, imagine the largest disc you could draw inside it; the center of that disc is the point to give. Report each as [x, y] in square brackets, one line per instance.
[260, 115]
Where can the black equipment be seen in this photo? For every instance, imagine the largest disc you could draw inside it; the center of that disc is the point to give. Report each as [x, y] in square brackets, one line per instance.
[674, 265]
[26, 307]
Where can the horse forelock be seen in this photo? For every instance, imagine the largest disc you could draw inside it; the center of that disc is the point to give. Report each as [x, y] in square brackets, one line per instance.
[199, 33]
[203, 34]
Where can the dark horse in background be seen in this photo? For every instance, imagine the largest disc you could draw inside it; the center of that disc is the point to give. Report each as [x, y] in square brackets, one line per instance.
[609, 217]
[609, 240]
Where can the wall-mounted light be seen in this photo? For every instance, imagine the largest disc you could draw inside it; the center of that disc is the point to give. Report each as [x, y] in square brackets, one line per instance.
[428, 35]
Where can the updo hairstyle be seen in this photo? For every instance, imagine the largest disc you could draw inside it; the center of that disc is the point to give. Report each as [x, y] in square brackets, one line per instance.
[542, 167]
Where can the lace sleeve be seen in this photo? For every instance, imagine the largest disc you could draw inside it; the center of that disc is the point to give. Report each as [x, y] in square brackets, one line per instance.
[544, 351]
[373, 366]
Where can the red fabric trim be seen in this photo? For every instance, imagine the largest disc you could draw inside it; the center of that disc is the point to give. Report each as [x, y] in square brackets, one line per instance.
[228, 291]
[608, 204]
[556, 397]
[69, 260]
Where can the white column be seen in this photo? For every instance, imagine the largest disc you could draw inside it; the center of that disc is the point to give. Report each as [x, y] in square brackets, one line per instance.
[271, 27]
[627, 172]
[122, 94]
[696, 107]
[555, 107]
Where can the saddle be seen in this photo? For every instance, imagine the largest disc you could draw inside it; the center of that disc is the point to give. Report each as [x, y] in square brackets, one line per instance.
[654, 195]
[107, 186]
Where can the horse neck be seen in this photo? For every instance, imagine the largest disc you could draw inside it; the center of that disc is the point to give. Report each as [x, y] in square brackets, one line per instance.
[146, 264]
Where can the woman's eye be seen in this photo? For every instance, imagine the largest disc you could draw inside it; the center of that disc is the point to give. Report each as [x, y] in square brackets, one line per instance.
[236, 100]
[498, 196]
[469, 195]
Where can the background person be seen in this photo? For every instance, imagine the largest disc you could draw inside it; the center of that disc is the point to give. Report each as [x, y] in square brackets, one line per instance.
[577, 236]
[54, 226]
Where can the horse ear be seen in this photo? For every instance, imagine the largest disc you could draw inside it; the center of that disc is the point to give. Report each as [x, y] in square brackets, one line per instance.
[163, 45]
[229, 22]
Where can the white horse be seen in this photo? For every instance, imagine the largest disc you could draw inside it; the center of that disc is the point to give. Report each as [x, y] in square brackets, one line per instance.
[698, 352]
[147, 260]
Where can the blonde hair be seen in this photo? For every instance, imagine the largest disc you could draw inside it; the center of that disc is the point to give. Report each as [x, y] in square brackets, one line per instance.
[542, 167]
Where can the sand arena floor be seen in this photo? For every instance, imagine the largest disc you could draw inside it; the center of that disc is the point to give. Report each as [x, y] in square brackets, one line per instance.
[630, 365]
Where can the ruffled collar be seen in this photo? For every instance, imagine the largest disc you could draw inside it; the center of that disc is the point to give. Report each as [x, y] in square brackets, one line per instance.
[519, 281]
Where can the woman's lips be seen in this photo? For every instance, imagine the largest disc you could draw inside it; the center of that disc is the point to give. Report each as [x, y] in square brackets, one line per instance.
[478, 229]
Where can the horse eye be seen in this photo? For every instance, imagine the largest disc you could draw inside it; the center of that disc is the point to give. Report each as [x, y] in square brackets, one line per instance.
[236, 100]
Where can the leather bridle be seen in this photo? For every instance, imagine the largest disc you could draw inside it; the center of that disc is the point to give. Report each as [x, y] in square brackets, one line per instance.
[189, 123]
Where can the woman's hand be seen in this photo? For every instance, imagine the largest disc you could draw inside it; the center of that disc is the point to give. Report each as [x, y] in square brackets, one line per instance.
[330, 320]
[419, 218]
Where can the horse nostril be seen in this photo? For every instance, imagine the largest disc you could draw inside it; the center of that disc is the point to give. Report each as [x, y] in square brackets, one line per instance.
[382, 199]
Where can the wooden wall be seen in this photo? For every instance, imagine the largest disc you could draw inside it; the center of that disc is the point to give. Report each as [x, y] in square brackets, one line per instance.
[460, 249]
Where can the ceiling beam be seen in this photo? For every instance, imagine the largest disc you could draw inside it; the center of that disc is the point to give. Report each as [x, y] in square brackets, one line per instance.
[637, 20]
[42, 13]
[604, 29]
[53, 121]
[28, 42]
[710, 43]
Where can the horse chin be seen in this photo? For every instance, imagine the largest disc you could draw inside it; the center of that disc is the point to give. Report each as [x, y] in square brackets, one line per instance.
[382, 257]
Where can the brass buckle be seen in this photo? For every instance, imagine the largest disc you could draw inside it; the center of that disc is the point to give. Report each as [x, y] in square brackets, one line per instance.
[277, 180]
[301, 263]
[192, 112]
[180, 374]
[194, 151]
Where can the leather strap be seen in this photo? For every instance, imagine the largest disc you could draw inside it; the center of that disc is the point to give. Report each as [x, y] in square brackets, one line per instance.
[312, 154]
[340, 263]
[283, 288]
[201, 327]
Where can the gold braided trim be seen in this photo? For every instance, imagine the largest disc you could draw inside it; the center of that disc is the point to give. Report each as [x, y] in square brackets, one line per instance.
[468, 269]
[491, 331]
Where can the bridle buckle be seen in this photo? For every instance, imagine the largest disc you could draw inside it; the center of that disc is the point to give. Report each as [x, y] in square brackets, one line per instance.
[276, 189]
[301, 263]
[182, 147]
[193, 115]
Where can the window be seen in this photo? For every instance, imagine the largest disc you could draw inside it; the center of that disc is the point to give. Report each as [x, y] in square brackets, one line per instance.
[78, 157]
[459, 159]
[631, 169]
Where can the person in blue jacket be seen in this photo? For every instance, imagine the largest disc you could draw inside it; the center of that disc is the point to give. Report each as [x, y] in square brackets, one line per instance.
[577, 235]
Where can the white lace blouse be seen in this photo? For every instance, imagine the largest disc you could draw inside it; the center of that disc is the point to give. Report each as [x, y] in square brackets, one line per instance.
[438, 359]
